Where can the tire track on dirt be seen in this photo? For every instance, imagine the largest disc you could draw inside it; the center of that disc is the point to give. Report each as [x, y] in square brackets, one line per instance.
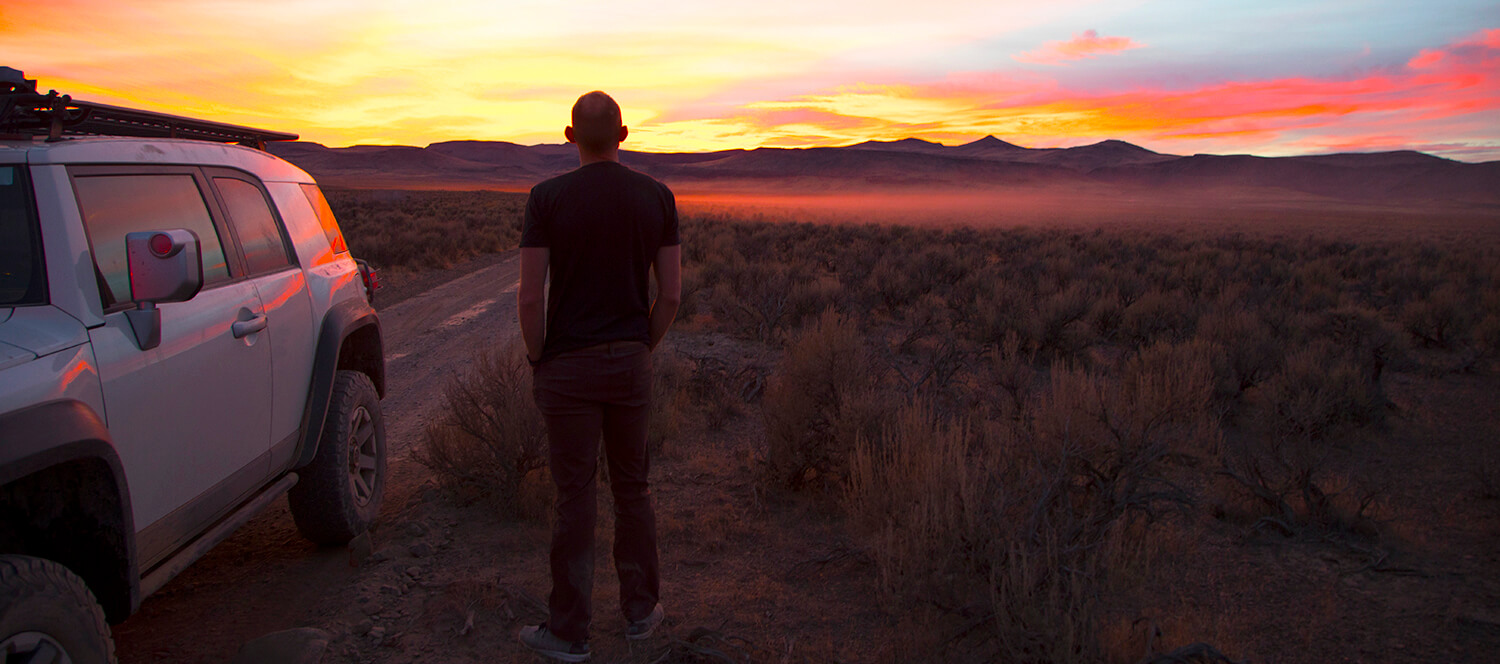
[431, 337]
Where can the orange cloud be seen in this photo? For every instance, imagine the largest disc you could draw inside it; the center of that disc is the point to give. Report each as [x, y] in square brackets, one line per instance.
[1087, 45]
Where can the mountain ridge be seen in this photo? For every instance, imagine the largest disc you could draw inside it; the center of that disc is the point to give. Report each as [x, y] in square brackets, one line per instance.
[990, 162]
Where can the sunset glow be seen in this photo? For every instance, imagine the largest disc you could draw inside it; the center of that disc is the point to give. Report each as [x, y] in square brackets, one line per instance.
[1175, 76]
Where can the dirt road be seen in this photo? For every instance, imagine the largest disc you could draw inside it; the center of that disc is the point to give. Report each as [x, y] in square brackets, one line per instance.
[267, 578]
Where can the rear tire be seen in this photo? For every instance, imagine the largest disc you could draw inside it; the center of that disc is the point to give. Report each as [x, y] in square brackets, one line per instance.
[337, 496]
[47, 614]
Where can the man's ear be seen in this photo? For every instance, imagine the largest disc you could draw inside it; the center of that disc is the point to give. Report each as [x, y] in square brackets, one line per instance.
[624, 131]
[568, 134]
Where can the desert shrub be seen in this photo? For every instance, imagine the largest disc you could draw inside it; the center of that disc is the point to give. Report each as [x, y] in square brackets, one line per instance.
[490, 438]
[692, 289]
[1320, 393]
[940, 369]
[1365, 339]
[1437, 320]
[715, 391]
[1157, 315]
[1128, 288]
[1061, 331]
[1283, 463]
[755, 301]
[1105, 315]
[1291, 485]
[1083, 486]
[1247, 354]
[818, 402]
[1010, 380]
[812, 296]
[1008, 310]
[893, 284]
[926, 317]
[962, 300]
[669, 399]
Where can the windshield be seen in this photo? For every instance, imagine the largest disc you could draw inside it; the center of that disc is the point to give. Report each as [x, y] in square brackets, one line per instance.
[21, 274]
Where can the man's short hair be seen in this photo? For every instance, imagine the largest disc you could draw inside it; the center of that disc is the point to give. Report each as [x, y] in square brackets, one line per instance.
[596, 122]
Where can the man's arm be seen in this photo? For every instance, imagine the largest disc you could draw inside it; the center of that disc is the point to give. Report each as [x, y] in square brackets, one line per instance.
[531, 299]
[668, 268]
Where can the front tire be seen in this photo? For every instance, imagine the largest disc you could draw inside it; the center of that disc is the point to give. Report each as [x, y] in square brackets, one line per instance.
[47, 614]
[337, 496]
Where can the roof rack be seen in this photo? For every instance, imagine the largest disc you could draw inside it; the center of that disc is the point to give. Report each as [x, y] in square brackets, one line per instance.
[25, 113]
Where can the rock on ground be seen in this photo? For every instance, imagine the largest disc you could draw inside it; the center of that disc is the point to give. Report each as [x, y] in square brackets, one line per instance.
[304, 645]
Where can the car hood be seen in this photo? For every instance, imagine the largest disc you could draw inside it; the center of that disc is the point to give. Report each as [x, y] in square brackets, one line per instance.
[27, 333]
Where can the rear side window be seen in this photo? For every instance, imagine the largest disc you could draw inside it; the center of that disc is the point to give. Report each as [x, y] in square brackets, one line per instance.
[22, 279]
[113, 205]
[325, 217]
[260, 235]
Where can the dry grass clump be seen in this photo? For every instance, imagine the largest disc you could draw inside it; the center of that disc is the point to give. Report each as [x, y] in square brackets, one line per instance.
[913, 489]
[490, 443]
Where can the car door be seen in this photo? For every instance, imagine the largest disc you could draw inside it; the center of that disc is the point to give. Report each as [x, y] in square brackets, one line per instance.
[191, 417]
[271, 265]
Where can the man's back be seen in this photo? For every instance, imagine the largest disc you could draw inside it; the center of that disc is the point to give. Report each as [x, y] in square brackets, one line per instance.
[603, 224]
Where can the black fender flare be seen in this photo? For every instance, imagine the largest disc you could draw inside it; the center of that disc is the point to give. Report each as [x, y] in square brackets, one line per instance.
[345, 319]
[52, 433]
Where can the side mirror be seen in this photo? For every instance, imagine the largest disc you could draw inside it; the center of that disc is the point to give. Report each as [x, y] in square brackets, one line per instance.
[165, 266]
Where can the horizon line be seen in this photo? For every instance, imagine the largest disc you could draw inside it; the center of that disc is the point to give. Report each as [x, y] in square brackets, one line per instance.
[912, 138]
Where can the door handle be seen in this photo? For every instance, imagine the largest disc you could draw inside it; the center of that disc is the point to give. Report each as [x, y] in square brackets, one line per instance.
[242, 328]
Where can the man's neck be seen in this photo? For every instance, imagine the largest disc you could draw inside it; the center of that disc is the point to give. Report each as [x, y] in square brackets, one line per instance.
[586, 157]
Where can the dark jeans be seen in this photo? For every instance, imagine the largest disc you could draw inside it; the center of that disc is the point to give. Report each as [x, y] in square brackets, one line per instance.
[582, 394]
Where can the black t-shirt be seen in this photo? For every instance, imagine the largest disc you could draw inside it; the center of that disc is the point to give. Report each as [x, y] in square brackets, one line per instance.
[603, 224]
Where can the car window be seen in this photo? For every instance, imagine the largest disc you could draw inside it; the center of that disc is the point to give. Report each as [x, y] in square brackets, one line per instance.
[113, 205]
[325, 217]
[260, 235]
[21, 273]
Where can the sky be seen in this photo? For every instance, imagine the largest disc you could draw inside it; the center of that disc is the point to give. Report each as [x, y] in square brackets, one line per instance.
[1267, 77]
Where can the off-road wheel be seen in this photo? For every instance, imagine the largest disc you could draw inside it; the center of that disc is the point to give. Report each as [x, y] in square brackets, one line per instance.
[47, 614]
[338, 495]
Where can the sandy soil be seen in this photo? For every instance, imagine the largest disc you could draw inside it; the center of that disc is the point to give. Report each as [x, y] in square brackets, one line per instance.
[768, 578]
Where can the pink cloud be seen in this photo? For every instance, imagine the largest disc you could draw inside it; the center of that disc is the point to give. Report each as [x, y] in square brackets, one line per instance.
[1425, 59]
[1087, 45]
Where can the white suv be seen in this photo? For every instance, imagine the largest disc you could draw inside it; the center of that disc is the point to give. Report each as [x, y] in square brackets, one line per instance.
[184, 338]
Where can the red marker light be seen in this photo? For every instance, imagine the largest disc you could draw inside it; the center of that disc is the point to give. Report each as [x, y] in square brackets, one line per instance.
[161, 245]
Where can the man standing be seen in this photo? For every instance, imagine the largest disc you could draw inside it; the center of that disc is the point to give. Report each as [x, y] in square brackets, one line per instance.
[599, 231]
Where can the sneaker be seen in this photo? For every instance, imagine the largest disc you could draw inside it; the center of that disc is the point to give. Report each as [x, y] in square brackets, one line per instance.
[543, 642]
[645, 627]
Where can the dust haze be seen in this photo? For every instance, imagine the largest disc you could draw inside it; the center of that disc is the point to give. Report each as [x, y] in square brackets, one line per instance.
[1214, 210]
